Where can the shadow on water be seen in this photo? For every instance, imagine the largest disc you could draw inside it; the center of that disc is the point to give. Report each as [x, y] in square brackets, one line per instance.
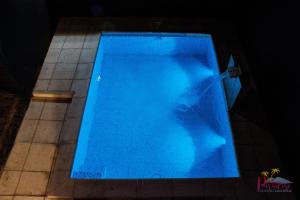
[197, 112]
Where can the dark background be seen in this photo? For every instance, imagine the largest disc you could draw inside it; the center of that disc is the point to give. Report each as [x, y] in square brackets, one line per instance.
[268, 32]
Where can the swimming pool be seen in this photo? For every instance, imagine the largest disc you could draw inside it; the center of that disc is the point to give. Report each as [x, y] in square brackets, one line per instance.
[147, 116]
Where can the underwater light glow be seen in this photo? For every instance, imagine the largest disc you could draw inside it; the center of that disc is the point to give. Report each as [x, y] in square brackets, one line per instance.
[174, 81]
[177, 150]
[146, 115]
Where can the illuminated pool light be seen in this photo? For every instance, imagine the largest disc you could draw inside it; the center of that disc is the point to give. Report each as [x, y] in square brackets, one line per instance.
[146, 116]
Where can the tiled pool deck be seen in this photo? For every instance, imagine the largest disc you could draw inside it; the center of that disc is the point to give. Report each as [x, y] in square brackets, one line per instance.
[39, 164]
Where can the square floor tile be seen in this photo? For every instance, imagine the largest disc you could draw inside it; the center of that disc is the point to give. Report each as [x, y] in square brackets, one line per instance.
[57, 41]
[60, 184]
[83, 71]
[64, 71]
[41, 85]
[8, 182]
[75, 109]
[17, 156]
[87, 55]
[32, 183]
[91, 40]
[64, 157]
[74, 41]
[47, 132]
[40, 157]
[52, 56]
[70, 130]
[34, 110]
[80, 87]
[69, 56]
[46, 71]
[60, 85]
[27, 130]
[54, 111]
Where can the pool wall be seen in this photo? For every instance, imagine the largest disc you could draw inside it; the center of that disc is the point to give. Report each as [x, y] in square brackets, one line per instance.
[148, 46]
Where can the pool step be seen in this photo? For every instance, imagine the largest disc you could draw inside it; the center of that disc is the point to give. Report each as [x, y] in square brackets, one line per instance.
[53, 96]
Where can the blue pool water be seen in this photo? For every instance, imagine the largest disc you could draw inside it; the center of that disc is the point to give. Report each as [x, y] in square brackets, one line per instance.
[146, 115]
